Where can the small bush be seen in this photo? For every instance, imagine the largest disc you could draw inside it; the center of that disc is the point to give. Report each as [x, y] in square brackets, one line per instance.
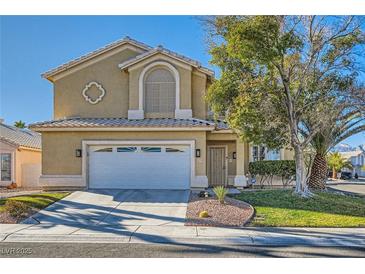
[203, 214]
[221, 193]
[16, 209]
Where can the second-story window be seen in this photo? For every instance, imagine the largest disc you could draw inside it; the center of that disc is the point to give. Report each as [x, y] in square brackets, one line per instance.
[160, 93]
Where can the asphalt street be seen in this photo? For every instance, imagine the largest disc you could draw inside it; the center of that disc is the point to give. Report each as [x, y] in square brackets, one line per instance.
[126, 250]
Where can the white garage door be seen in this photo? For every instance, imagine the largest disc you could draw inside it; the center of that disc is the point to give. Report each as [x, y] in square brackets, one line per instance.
[139, 167]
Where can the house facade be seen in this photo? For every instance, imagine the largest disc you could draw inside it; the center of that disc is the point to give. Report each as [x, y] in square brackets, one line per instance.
[132, 116]
[357, 160]
[20, 156]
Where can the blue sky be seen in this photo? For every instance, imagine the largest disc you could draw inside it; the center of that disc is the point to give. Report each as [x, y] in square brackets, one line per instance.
[31, 45]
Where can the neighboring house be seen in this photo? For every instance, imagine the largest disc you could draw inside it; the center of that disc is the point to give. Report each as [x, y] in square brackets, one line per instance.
[20, 151]
[357, 159]
[131, 116]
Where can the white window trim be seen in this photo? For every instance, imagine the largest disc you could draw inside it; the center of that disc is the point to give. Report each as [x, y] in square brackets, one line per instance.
[87, 143]
[251, 158]
[174, 72]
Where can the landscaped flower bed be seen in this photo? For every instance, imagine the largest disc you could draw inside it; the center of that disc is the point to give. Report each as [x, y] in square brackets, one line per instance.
[231, 213]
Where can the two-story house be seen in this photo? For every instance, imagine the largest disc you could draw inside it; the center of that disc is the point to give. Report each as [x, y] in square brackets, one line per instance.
[132, 116]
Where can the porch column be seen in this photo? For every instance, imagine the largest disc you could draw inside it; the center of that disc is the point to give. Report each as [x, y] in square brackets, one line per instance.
[240, 179]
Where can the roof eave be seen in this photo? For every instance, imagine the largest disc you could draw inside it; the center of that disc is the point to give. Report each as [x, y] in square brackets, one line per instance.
[74, 62]
[195, 128]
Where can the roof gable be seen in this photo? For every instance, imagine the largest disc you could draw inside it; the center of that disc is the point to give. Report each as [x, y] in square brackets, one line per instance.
[75, 62]
[163, 51]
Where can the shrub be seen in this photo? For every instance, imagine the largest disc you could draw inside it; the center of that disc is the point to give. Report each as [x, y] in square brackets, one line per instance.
[221, 193]
[267, 169]
[203, 214]
[16, 209]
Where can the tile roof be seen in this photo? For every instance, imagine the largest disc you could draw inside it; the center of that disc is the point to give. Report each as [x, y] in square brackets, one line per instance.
[163, 50]
[89, 55]
[20, 137]
[220, 124]
[122, 122]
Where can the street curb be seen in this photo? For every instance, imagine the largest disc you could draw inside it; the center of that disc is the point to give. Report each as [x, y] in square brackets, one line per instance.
[345, 192]
[156, 239]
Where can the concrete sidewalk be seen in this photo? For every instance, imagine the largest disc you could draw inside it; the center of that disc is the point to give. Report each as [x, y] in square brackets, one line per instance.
[182, 235]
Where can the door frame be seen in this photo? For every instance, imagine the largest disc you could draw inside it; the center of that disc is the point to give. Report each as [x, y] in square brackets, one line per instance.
[87, 143]
[225, 161]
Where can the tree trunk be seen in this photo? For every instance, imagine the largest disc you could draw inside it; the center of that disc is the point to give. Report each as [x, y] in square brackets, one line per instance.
[318, 177]
[334, 173]
[301, 187]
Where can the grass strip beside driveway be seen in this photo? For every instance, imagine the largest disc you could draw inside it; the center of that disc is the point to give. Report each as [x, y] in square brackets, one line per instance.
[284, 208]
[34, 202]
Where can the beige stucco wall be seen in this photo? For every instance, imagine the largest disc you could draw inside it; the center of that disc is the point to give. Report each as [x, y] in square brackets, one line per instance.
[122, 87]
[199, 86]
[68, 99]
[59, 148]
[28, 167]
[288, 154]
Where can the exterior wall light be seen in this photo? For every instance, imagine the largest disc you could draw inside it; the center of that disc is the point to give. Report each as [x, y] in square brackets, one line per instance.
[197, 153]
[78, 153]
[234, 155]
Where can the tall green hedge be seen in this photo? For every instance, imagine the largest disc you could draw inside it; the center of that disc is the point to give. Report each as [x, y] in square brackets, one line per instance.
[267, 169]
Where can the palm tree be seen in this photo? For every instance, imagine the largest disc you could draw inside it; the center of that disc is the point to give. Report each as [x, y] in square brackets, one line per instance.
[19, 124]
[337, 162]
[343, 125]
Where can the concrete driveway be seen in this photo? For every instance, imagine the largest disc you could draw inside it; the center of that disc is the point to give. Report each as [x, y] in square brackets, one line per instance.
[118, 208]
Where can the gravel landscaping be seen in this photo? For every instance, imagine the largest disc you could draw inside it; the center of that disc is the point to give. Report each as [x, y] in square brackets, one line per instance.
[233, 213]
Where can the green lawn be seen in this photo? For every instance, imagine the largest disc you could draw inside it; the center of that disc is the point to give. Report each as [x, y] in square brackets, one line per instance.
[283, 208]
[36, 201]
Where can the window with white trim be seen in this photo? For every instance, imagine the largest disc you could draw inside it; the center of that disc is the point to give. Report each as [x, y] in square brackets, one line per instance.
[160, 93]
[151, 149]
[107, 149]
[260, 153]
[126, 149]
[171, 149]
[273, 154]
[5, 167]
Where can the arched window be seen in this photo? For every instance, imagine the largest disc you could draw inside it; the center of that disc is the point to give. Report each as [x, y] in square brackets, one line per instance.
[159, 93]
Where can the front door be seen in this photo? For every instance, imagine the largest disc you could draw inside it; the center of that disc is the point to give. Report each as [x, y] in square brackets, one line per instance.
[217, 166]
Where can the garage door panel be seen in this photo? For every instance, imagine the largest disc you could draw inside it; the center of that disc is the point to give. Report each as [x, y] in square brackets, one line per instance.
[139, 170]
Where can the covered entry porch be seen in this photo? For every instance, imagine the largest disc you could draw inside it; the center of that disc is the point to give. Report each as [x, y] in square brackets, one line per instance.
[227, 160]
